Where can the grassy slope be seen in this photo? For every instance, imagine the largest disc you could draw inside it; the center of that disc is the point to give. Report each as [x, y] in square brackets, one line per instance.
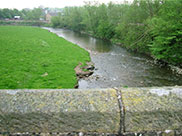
[28, 54]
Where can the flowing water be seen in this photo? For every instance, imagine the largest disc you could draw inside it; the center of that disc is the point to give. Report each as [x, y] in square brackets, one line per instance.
[118, 67]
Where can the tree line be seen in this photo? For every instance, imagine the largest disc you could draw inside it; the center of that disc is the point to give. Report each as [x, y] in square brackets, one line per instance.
[26, 14]
[153, 27]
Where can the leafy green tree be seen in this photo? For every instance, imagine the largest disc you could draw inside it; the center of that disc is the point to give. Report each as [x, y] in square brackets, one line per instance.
[34, 14]
[92, 17]
[167, 33]
[105, 30]
[7, 13]
[56, 21]
[1, 14]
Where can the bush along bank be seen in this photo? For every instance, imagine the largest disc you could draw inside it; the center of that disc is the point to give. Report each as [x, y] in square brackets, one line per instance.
[24, 23]
[152, 27]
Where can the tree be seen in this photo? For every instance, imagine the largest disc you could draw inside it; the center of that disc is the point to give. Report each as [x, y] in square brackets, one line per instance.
[167, 33]
[56, 21]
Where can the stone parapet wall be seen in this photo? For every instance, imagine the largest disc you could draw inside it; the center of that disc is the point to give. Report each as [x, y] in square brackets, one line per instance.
[118, 111]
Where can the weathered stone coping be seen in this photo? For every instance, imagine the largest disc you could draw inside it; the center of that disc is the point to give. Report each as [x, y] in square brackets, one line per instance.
[113, 111]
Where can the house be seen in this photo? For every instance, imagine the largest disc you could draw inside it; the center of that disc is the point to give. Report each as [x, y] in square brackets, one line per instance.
[48, 17]
[17, 17]
[50, 14]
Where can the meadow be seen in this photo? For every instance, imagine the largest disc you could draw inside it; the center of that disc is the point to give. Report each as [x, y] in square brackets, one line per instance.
[33, 58]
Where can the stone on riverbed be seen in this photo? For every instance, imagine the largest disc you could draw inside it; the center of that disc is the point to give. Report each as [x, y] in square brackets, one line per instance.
[85, 71]
[90, 66]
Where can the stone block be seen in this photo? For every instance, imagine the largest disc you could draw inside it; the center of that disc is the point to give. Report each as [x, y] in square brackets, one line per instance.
[152, 109]
[69, 110]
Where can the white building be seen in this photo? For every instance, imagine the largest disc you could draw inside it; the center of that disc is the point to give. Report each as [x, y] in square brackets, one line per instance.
[16, 17]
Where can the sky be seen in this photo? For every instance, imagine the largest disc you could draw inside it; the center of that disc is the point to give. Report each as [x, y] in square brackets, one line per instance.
[20, 4]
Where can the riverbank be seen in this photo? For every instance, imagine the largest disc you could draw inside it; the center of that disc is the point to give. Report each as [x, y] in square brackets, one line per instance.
[34, 58]
[175, 68]
[118, 67]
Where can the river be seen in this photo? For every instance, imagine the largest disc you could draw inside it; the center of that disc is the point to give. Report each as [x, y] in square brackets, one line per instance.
[118, 67]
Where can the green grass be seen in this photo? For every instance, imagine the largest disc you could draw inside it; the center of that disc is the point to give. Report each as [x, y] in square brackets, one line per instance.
[34, 58]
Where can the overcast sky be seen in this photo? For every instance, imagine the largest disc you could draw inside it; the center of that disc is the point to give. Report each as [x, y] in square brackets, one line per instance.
[20, 4]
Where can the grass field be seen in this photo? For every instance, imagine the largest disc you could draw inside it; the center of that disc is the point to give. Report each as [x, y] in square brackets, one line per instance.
[34, 58]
